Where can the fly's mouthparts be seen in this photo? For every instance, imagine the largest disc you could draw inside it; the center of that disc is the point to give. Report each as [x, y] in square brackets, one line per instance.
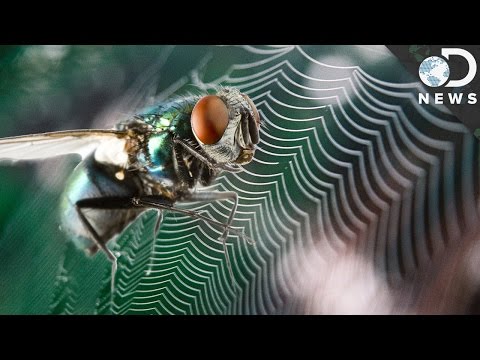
[246, 155]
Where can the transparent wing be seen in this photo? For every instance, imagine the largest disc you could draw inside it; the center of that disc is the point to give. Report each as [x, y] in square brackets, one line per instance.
[46, 145]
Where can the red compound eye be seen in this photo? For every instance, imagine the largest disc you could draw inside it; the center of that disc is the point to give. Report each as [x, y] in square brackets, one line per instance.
[209, 119]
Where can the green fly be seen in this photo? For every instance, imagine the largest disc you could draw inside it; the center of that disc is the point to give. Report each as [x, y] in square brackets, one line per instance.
[153, 160]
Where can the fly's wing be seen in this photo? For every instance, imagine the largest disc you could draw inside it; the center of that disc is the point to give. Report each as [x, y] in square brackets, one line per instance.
[46, 145]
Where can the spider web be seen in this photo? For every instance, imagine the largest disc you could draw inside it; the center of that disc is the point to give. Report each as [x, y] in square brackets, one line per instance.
[348, 163]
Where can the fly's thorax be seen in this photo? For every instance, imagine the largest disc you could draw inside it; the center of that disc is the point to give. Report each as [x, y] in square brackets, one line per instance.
[172, 116]
[152, 153]
[156, 161]
[156, 156]
[153, 131]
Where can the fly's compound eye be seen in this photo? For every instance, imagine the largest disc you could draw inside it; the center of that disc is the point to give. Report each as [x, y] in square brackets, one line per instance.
[209, 119]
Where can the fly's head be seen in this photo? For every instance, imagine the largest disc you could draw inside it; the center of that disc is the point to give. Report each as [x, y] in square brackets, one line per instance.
[226, 126]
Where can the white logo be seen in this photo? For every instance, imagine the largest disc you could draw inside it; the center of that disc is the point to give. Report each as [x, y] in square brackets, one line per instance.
[472, 66]
[434, 72]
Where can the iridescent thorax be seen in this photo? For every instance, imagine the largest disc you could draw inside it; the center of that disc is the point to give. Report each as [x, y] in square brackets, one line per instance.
[167, 121]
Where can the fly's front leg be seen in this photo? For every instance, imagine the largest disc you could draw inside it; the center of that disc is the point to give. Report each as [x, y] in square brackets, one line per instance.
[158, 223]
[79, 206]
[210, 196]
[180, 168]
[156, 229]
[158, 203]
[112, 203]
[209, 162]
[147, 202]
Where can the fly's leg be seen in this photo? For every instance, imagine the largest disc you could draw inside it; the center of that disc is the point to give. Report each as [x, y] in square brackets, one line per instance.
[207, 197]
[180, 168]
[158, 223]
[98, 242]
[210, 196]
[213, 196]
[103, 203]
[147, 202]
[203, 158]
[156, 229]
[155, 202]
[151, 202]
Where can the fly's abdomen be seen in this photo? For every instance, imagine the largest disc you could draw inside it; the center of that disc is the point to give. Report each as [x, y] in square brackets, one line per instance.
[90, 180]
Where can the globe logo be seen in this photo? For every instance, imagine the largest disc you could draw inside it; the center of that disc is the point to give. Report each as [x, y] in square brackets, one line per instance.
[434, 71]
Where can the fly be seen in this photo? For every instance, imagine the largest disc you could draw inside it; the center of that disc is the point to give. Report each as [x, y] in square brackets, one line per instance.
[153, 160]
